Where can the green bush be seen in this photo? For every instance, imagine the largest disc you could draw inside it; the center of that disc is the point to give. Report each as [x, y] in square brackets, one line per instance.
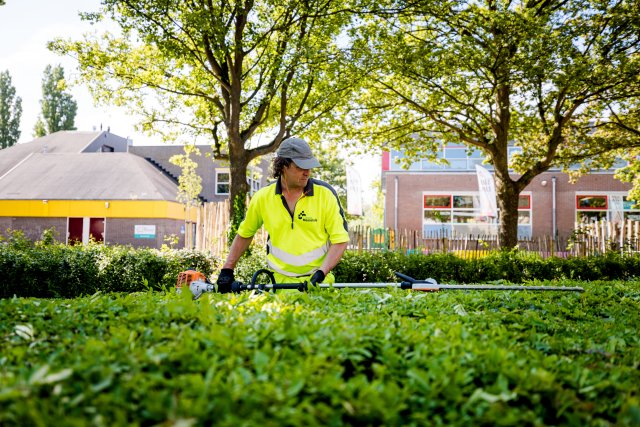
[508, 266]
[34, 270]
[48, 269]
[55, 270]
[331, 358]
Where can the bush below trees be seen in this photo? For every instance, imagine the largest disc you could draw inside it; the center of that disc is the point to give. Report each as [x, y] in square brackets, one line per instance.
[47, 270]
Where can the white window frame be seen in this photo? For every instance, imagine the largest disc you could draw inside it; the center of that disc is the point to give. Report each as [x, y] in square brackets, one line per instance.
[254, 176]
[608, 210]
[218, 182]
[455, 228]
[452, 228]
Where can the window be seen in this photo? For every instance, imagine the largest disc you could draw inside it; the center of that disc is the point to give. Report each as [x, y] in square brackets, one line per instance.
[591, 207]
[223, 179]
[513, 150]
[611, 207]
[455, 214]
[458, 157]
[591, 202]
[525, 223]
[631, 209]
[253, 179]
[437, 201]
[459, 214]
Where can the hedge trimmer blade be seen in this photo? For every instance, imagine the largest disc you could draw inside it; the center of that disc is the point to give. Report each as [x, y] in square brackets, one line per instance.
[200, 285]
[430, 285]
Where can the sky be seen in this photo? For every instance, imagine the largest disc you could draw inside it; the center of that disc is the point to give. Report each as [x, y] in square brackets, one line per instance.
[26, 26]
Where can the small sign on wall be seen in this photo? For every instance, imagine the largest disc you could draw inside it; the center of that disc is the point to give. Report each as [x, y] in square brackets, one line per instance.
[144, 231]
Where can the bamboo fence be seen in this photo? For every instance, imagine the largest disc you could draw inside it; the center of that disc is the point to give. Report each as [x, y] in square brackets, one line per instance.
[212, 227]
[587, 239]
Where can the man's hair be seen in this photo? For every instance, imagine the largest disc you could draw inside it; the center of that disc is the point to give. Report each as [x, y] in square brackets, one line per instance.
[278, 164]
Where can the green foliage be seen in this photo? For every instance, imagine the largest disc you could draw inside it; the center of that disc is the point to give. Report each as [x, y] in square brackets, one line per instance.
[10, 112]
[240, 75]
[492, 74]
[238, 210]
[58, 106]
[48, 237]
[50, 269]
[189, 183]
[248, 265]
[46, 269]
[124, 269]
[332, 358]
[508, 266]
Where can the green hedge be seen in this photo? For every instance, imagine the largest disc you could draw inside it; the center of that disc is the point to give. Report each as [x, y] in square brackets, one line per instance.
[54, 270]
[332, 358]
[507, 266]
[45, 269]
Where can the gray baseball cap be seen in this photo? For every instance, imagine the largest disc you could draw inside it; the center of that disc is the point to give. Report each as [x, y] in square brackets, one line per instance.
[299, 151]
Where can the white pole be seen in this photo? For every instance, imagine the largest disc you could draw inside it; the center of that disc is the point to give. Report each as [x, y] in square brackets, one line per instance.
[395, 204]
[553, 208]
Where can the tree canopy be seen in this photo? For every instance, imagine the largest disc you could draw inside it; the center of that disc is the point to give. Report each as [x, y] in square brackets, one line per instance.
[58, 108]
[242, 74]
[10, 111]
[551, 77]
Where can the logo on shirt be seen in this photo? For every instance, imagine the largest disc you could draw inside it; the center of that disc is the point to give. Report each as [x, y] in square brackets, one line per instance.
[303, 216]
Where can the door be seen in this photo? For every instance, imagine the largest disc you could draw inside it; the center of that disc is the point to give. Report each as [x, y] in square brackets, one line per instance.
[74, 236]
[81, 230]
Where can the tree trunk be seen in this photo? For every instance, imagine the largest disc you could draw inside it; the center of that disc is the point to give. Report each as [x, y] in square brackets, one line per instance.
[238, 188]
[507, 199]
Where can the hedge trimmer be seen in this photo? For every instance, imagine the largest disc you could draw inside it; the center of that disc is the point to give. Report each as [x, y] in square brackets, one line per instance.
[199, 284]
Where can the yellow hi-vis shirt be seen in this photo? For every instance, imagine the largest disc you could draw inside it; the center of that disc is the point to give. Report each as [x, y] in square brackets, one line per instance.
[298, 242]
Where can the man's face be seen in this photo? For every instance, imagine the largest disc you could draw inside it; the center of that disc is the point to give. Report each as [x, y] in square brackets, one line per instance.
[296, 177]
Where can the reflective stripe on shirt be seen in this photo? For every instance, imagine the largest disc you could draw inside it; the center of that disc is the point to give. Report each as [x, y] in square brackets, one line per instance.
[277, 269]
[297, 260]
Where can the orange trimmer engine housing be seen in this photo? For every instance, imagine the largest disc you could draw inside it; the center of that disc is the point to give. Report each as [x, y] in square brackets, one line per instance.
[186, 277]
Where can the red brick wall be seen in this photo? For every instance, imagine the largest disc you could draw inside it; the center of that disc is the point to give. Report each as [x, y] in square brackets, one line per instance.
[411, 186]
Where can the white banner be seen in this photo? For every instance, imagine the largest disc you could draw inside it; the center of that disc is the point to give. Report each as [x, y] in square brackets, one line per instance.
[616, 205]
[487, 188]
[354, 192]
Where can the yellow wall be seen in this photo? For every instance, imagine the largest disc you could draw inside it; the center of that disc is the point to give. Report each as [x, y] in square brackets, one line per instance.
[96, 208]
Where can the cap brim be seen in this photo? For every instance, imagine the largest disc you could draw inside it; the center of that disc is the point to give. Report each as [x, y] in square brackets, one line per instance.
[307, 163]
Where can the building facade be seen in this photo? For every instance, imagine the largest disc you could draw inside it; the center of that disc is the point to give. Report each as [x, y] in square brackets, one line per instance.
[97, 186]
[444, 199]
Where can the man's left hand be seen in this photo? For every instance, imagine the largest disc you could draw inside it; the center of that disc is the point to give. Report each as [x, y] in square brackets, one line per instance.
[317, 277]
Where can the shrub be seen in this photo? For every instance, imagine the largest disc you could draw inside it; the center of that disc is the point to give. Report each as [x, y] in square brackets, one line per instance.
[48, 269]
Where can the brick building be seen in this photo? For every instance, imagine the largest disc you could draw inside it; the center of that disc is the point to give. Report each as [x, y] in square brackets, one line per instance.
[444, 199]
[96, 185]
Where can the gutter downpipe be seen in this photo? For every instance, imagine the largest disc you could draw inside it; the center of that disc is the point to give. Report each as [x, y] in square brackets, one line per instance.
[395, 204]
[553, 208]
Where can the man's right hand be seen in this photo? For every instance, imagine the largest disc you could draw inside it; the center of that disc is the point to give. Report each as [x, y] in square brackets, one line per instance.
[225, 280]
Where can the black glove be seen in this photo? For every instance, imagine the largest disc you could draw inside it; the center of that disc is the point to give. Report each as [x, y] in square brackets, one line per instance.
[317, 277]
[225, 279]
